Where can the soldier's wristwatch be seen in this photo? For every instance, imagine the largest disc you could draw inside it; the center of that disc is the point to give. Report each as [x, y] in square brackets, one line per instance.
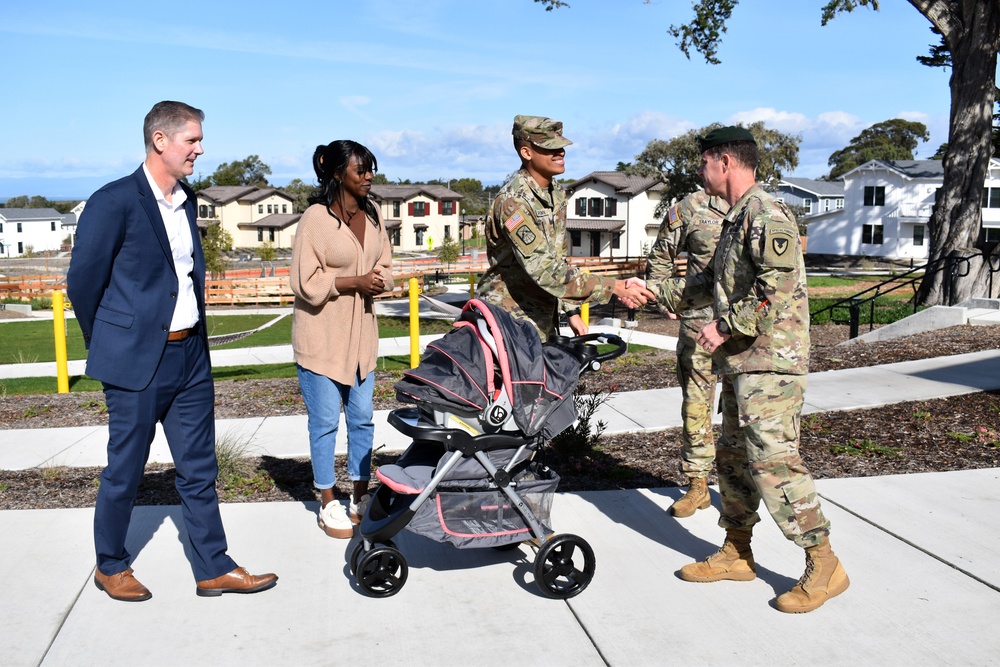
[723, 328]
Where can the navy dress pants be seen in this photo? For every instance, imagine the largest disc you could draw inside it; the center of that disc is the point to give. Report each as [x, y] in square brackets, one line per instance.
[182, 397]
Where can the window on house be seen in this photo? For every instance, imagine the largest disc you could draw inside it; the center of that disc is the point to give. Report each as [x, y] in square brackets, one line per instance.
[211, 210]
[418, 209]
[807, 206]
[394, 236]
[871, 234]
[610, 207]
[581, 206]
[992, 234]
[270, 234]
[19, 228]
[20, 247]
[595, 207]
[203, 211]
[447, 231]
[826, 205]
[875, 195]
[448, 208]
[395, 210]
[284, 208]
[991, 197]
[616, 240]
[1, 228]
[419, 233]
[53, 227]
[269, 209]
[260, 208]
[918, 235]
[840, 204]
[574, 238]
[260, 235]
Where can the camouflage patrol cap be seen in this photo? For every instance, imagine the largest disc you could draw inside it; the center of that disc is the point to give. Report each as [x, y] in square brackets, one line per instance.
[725, 135]
[540, 131]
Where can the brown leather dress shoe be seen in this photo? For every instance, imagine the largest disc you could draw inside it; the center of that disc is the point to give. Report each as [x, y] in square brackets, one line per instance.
[237, 581]
[121, 586]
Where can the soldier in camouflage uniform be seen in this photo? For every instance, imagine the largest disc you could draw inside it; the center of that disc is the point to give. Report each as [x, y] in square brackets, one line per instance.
[691, 227]
[527, 245]
[760, 337]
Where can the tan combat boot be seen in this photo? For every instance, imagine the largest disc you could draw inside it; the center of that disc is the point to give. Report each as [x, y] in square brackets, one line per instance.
[696, 498]
[823, 579]
[734, 561]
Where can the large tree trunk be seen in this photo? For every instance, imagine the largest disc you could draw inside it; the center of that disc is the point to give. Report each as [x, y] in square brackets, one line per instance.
[971, 29]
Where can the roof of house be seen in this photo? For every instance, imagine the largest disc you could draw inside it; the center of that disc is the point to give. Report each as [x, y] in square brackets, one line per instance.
[907, 168]
[594, 224]
[626, 184]
[248, 194]
[816, 187]
[409, 191]
[30, 214]
[278, 220]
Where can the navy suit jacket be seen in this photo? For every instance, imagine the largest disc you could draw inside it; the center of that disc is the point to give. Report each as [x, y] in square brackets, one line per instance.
[122, 284]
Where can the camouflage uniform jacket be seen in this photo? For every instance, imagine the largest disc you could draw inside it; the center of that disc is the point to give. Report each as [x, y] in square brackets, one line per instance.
[691, 226]
[759, 282]
[527, 247]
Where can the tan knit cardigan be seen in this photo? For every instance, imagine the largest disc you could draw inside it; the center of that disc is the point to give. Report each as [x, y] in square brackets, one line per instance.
[334, 334]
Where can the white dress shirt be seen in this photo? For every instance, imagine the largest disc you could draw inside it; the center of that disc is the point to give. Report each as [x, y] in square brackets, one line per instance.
[175, 221]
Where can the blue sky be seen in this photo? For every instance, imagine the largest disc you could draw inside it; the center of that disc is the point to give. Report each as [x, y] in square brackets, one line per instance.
[432, 86]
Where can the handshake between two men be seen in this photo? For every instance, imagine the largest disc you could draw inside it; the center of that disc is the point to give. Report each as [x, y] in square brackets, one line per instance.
[635, 294]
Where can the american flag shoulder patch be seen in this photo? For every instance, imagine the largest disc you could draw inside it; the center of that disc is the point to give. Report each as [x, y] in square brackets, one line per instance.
[513, 221]
[672, 214]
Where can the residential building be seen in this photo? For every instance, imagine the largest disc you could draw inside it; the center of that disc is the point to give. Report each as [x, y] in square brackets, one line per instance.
[887, 206]
[26, 231]
[252, 215]
[808, 197]
[418, 217]
[611, 214]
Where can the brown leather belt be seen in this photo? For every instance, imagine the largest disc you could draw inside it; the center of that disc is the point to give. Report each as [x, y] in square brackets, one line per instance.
[175, 336]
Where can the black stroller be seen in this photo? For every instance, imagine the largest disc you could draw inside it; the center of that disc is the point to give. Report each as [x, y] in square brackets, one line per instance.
[488, 394]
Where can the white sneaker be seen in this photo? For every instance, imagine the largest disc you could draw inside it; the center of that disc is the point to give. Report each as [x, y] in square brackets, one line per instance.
[359, 508]
[333, 520]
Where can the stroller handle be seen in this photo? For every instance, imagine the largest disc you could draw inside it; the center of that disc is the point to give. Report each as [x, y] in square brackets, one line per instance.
[590, 359]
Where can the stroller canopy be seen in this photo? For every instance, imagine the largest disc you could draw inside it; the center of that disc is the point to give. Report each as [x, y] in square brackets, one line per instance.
[491, 363]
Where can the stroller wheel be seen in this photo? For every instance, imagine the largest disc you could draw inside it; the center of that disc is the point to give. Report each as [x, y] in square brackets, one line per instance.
[556, 573]
[359, 549]
[381, 572]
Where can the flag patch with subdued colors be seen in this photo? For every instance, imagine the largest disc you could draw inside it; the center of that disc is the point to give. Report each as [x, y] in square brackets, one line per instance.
[672, 214]
[513, 221]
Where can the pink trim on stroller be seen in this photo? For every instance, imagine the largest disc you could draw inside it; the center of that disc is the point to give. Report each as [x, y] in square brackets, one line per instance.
[444, 526]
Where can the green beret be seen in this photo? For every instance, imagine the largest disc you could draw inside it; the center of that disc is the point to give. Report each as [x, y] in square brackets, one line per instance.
[540, 131]
[725, 135]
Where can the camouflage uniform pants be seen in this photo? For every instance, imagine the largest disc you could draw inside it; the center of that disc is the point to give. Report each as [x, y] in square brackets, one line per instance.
[694, 373]
[758, 457]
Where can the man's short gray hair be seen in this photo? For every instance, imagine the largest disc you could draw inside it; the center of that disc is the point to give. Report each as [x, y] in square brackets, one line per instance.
[170, 118]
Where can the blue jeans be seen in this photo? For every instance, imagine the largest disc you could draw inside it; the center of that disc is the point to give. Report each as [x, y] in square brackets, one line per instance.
[323, 398]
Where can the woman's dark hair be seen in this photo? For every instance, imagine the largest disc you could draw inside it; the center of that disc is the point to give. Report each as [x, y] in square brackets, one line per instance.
[332, 160]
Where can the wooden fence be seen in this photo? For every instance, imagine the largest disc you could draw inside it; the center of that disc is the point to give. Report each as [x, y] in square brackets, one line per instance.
[246, 287]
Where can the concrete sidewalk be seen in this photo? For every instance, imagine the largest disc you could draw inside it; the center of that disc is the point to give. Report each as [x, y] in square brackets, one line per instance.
[922, 552]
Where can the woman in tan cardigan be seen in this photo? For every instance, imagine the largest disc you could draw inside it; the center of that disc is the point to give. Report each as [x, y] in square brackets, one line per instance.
[341, 259]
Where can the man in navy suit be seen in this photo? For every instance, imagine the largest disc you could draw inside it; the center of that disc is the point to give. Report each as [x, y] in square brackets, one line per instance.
[137, 285]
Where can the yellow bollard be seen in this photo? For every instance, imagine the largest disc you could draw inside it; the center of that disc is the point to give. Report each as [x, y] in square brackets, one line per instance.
[472, 286]
[414, 323]
[59, 323]
[585, 309]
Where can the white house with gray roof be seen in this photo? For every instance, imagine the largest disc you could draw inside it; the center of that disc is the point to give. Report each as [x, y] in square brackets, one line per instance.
[610, 214]
[887, 206]
[33, 230]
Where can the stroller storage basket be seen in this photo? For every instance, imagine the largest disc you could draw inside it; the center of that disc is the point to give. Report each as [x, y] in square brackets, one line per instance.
[475, 517]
